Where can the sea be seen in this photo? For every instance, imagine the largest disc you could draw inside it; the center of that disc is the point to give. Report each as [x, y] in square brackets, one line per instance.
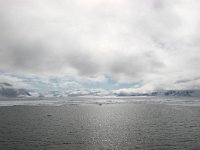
[100, 123]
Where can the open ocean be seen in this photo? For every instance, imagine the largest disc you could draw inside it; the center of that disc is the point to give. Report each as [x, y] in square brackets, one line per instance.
[91, 123]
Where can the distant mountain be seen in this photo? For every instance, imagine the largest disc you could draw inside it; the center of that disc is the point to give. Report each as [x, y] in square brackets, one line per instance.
[163, 93]
[131, 94]
[7, 90]
[177, 93]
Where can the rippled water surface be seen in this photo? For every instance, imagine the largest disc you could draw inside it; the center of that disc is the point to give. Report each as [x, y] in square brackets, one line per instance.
[100, 126]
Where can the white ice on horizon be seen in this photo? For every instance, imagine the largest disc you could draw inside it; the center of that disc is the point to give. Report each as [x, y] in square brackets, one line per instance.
[187, 101]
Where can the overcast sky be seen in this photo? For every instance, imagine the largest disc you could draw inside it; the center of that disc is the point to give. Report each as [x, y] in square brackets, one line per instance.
[137, 45]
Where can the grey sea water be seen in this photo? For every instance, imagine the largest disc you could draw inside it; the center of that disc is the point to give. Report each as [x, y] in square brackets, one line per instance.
[106, 123]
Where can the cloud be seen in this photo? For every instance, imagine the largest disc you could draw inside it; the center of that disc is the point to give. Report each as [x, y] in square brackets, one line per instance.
[188, 80]
[14, 82]
[156, 42]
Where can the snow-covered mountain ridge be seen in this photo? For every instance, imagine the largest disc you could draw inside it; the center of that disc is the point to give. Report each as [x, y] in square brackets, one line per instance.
[8, 90]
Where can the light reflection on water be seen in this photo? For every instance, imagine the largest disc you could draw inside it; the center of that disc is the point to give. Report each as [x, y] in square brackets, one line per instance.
[115, 126]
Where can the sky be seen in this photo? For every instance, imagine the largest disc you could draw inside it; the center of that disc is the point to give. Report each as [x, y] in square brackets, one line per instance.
[121, 45]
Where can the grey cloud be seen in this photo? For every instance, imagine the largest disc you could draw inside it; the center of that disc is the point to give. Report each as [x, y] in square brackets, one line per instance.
[83, 62]
[140, 40]
[24, 57]
[137, 65]
[187, 80]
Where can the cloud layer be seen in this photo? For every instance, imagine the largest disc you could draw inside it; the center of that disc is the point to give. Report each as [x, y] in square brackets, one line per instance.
[155, 42]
